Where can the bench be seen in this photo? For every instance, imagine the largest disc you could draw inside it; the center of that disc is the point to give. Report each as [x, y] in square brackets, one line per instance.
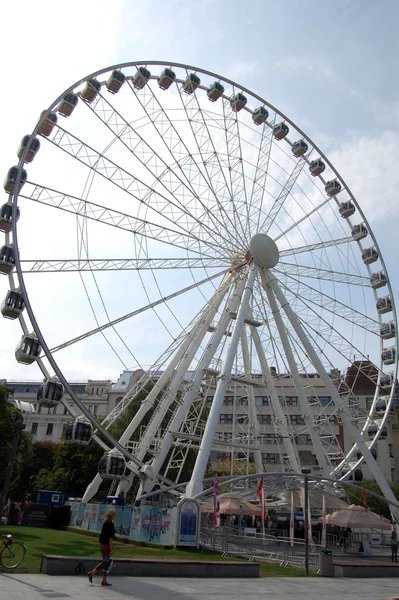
[365, 570]
[131, 567]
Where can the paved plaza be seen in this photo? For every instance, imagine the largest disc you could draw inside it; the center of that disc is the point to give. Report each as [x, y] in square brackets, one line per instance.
[45, 587]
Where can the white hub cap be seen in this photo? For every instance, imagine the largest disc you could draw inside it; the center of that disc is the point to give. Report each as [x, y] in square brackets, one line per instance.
[264, 250]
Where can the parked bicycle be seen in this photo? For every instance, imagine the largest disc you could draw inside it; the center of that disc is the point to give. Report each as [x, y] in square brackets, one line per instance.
[12, 552]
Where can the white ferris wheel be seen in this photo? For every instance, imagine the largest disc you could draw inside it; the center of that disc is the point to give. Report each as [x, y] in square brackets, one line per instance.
[169, 212]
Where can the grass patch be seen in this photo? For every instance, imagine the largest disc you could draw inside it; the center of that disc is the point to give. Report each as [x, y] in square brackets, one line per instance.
[67, 543]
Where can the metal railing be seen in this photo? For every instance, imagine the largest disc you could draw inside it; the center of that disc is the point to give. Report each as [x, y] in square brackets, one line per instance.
[256, 546]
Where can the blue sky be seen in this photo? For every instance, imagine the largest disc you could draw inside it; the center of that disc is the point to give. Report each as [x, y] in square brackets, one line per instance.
[329, 66]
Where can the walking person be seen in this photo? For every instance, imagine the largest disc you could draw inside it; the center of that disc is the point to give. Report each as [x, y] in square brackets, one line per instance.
[394, 546]
[106, 539]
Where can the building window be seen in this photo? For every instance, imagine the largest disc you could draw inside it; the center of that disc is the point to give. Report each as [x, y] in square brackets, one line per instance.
[226, 419]
[50, 427]
[264, 419]
[228, 401]
[262, 401]
[331, 420]
[294, 419]
[390, 446]
[242, 419]
[324, 400]
[274, 459]
[294, 400]
[34, 428]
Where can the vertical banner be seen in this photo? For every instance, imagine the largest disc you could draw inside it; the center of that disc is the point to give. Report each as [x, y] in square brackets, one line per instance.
[261, 493]
[364, 495]
[292, 521]
[188, 523]
[216, 502]
[324, 524]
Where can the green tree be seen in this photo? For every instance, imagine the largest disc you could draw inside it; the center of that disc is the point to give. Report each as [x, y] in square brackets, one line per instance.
[33, 458]
[377, 505]
[8, 415]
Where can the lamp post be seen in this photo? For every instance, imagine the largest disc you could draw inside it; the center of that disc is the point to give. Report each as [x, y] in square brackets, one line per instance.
[18, 427]
[306, 517]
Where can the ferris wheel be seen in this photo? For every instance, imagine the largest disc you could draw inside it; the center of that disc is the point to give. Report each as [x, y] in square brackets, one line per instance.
[165, 215]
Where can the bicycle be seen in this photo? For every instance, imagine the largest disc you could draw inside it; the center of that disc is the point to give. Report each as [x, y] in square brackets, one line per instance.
[12, 552]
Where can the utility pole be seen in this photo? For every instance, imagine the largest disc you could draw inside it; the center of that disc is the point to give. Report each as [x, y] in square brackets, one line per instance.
[18, 427]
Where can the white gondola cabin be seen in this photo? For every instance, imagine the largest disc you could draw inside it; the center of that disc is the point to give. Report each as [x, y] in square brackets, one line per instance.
[34, 146]
[215, 91]
[6, 217]
[166, 79]
[7, 259]
[191, 83]
[384, 305]
[299, 148]
[378, 280]
[115, 82]
[373, 453]
[11, 179]
[316, 167]
[112, 465]
[260, 115]
[68, 104]
[13, 304]
[356, 475]
[280, 131]
[381, 405]
[347, 209]
[91, 89]
[28, 349]
[238, 101]
[50, 393]
[369, 255]
[79, 432]
[48, 123]
[388, 330]
[359, 232]
[141, 78]
[388, 355]
[332, 187]
[386, 381]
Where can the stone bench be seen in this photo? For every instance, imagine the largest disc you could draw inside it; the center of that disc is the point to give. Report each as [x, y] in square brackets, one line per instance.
[131, 567]
[365, 570]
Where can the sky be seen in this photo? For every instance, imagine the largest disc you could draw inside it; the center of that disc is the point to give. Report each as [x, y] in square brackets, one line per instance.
[330, 66]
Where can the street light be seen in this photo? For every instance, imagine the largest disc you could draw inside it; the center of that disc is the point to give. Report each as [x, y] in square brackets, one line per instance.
[306, 472]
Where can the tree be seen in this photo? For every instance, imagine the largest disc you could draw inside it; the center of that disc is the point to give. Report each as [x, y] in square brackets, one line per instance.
[380, 506]
[34, 458]
[8, 415]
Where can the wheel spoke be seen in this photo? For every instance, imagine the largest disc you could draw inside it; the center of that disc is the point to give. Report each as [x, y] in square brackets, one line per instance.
[121, 264]
[298, 271]
[317, 246]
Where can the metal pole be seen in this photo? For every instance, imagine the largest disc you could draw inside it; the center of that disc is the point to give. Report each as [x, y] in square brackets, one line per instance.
[306, 510]
[18, 427]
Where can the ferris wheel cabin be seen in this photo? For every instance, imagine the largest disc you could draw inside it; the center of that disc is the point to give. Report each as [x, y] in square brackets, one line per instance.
[333, 187]
[6, 217]
[191, 83]
[7, 259]
[386, 381]
[359, 232]
[388, 355]
[28, 349]
[141, 78]
[48, 124]
[280, 131]
[238, 102]
[166, 78]
[260, 115]
[378, 280]
[316, 167]
[299, 148]
[112, 465]
[369, 255]
[384, 305]
[50, 393]
[91, 90]
[373, 430]
[34, 146]
[11, 179]
[215, 91]
[79, 432]
[373, 451]
[12, 305]
[115, 82]
[347, 209]
[382, 404]
[68, 104]
[388, 330]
